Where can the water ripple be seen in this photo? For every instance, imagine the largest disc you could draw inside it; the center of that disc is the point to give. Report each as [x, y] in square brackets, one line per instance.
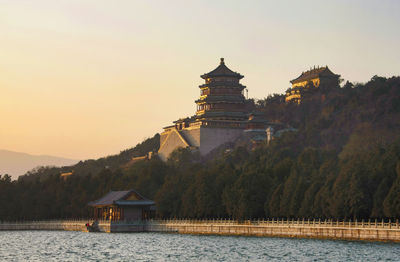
[79, 246]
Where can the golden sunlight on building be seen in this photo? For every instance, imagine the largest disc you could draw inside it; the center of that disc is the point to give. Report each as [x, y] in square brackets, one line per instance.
[313, 78]
[66, 175]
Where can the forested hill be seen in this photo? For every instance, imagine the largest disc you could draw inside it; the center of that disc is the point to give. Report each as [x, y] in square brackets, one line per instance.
[343, 162]
[329, 117]
[95, 166]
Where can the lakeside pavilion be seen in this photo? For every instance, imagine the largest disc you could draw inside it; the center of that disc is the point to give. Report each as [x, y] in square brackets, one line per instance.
[126, 205]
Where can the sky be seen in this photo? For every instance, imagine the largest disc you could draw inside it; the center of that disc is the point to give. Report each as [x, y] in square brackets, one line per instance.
[89, 78]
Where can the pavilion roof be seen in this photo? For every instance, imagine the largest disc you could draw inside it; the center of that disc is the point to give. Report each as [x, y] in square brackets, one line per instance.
[127, 197]
[313, 73]
[222, 70]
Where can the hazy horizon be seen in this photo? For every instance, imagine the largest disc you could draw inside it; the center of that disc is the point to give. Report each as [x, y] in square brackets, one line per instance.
[86, 79]
[16, 164]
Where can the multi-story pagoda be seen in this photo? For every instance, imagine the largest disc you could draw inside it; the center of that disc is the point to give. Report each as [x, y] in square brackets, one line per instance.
[221, 99]
[313, 78]
[221, 115]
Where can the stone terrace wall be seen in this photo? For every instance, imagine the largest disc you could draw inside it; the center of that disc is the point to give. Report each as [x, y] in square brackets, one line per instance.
[346, 230]
[76, 225]
[372, 231]
[66, 225]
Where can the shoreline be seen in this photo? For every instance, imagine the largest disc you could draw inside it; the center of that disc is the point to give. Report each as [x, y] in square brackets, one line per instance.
[354, 231]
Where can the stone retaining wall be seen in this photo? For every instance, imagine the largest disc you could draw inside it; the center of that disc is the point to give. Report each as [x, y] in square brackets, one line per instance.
[372, 231]
[66, 225]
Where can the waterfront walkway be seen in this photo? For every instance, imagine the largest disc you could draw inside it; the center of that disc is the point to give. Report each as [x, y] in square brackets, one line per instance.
[330, 229]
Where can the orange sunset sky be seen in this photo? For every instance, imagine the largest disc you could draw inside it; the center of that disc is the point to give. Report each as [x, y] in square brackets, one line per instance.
[85, 79]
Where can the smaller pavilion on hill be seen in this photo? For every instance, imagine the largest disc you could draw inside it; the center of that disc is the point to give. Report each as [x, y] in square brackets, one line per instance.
[314, 78]
[123, 205]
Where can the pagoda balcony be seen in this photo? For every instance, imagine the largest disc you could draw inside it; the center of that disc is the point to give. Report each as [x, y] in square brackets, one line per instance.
[221, 99]
[221, 113]
[223, 84]
[221, 92]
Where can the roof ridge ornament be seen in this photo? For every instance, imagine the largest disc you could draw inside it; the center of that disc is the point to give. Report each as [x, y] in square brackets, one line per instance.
[221, 71]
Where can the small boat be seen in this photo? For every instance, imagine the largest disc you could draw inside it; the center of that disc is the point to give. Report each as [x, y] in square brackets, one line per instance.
[94, 227]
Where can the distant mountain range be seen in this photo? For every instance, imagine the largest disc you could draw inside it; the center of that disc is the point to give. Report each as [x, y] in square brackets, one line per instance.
[16, 164]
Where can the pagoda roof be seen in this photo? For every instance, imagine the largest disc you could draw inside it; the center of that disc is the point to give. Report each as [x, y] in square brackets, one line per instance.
[223, 84]
[184, 120]
[226, 98]
[222, 70]
[127, 198]
[223, 113]
[314, 73]
[257, 117]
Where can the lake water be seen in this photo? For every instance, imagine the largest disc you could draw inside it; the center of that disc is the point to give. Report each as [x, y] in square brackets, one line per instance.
[80, 246]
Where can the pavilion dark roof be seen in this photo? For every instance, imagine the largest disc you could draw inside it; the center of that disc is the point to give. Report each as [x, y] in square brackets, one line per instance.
[313, 73]
[118, 198]
[222, 70]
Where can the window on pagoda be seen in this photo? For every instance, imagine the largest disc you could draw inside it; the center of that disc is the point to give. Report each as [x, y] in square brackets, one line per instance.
[205, 92]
